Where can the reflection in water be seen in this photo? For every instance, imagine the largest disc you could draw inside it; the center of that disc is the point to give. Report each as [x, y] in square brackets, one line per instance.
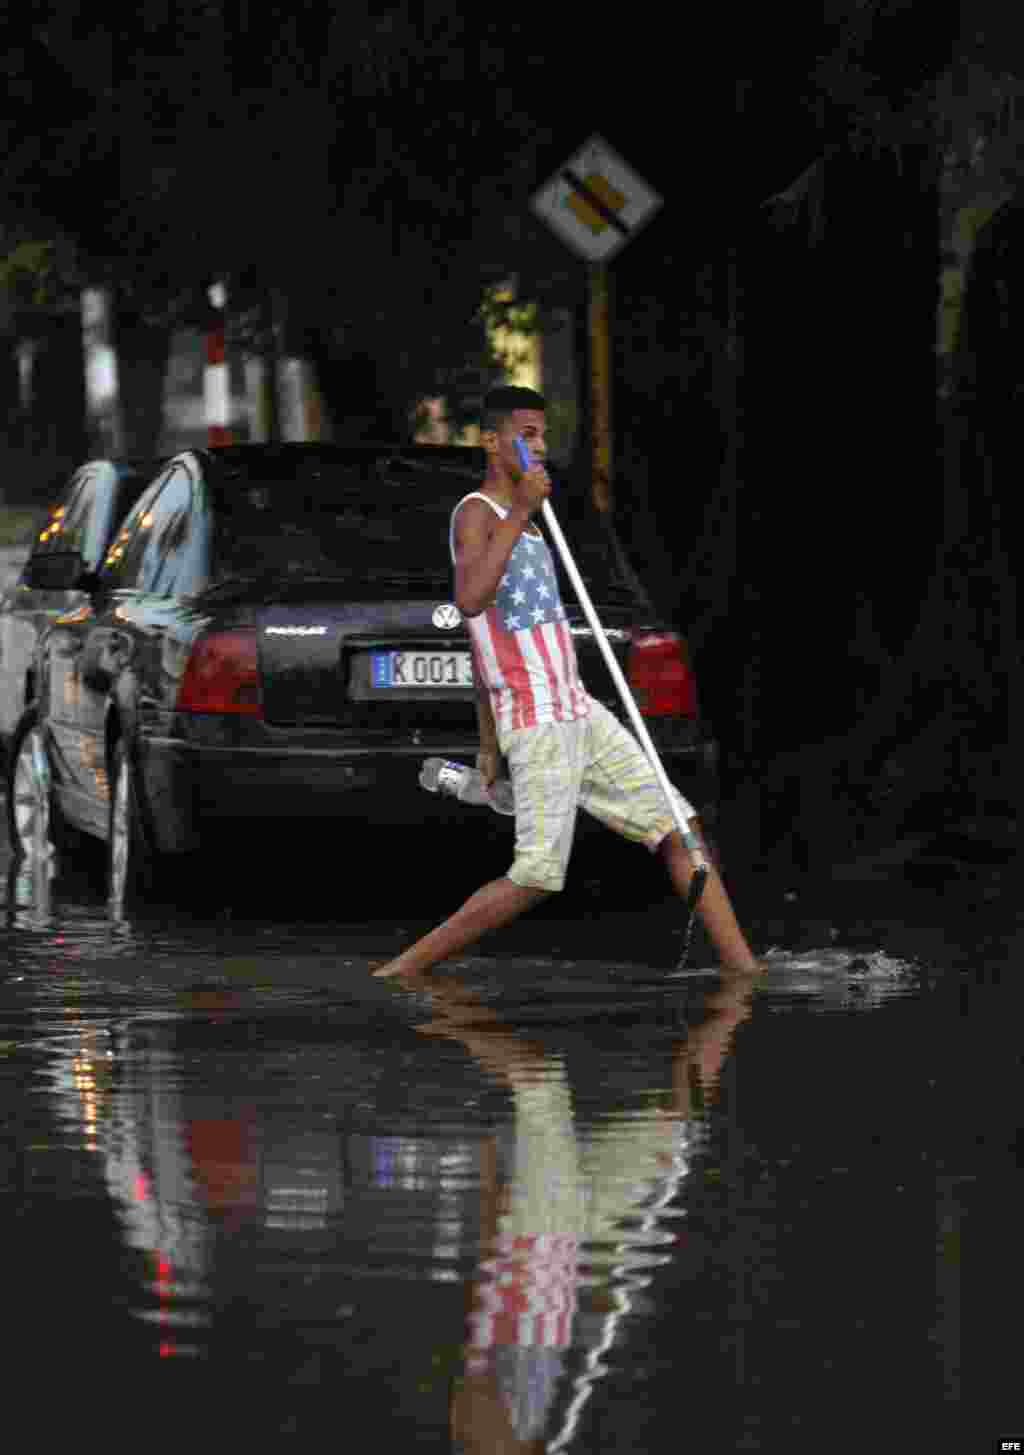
[154, 1184]
[51, 892]
[471, 1221]
[571, 1224]
[30, 888]
[239, 1191]
[467, 1210]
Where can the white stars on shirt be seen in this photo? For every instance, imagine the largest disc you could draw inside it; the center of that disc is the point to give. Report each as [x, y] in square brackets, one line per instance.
[528, 592]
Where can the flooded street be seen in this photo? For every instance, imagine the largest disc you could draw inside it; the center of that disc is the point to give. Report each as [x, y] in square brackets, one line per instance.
[557, 1199]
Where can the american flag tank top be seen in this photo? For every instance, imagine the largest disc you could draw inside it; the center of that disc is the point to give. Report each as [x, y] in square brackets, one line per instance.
[522, 644]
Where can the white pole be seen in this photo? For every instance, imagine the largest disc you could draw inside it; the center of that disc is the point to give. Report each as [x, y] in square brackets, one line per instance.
[689, 838]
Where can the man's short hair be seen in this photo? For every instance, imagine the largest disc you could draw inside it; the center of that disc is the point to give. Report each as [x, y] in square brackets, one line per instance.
[500, 403]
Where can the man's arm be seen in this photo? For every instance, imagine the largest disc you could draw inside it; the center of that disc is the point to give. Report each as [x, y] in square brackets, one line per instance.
[475, 527]
[489, 754]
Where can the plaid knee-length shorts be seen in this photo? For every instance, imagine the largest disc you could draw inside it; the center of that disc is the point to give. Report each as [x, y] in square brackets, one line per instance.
[593, 763]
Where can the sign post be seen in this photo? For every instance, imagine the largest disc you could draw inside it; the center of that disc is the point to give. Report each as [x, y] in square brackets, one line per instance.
[599, 316]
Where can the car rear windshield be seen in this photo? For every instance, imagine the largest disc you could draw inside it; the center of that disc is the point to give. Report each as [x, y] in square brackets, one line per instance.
[387, 533]
[288, 530]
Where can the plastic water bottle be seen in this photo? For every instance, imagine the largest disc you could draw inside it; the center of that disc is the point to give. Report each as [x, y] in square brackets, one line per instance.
[440, 775]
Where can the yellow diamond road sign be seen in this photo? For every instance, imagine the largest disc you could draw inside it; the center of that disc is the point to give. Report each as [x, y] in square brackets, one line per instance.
[595, 203]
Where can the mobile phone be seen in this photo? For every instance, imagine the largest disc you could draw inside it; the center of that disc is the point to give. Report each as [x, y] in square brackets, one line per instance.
[523, 453]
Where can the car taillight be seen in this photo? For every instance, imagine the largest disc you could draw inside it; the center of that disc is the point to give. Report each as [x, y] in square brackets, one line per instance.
[222, 675]
[660, 676]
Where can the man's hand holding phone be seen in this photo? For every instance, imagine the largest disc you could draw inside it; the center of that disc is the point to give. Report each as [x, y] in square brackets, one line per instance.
[534, 485]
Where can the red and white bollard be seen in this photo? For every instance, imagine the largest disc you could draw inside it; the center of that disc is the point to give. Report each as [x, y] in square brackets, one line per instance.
[216, 381]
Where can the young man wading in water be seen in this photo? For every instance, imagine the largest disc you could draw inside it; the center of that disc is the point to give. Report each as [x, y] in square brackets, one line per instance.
[564, 749]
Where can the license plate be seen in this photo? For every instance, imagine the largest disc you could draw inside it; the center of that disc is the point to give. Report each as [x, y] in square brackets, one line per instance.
[421, 669]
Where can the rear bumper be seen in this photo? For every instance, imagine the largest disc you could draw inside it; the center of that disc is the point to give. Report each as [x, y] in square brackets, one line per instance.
[189, 787]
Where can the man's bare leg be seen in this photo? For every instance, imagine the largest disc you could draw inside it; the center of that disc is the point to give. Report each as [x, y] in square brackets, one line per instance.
[496, 904]
[714, 907]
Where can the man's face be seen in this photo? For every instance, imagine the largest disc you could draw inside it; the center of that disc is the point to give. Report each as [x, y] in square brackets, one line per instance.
[531, 424]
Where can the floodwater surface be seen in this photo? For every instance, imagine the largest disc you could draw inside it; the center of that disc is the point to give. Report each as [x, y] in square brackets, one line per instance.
[542, 1201]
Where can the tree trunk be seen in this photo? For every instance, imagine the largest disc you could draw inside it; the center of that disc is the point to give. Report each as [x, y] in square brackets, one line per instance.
[13, 449]
[143, 352]
[271, 307]
[838, 511]
[56, 434]
[947, 705]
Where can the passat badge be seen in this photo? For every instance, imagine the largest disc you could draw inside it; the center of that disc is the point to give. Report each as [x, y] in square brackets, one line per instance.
[296, 631]
[447, 615]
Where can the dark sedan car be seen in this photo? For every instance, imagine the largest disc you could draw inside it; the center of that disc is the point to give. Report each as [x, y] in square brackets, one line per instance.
[271, 635]
[83, 518]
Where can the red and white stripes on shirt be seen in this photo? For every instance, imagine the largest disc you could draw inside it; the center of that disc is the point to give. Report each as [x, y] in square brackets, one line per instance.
[521, 643]
[529, 1298]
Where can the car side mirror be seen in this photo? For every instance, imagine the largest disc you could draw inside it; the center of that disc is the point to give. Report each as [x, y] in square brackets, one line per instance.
[59, 571]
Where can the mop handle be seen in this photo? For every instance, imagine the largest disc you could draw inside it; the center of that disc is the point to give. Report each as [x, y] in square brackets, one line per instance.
[690, 839]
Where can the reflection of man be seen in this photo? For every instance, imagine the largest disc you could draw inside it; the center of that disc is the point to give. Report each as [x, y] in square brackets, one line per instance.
[546, 1194]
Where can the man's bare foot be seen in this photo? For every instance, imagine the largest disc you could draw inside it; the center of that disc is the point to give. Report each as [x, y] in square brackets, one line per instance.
[395, 968]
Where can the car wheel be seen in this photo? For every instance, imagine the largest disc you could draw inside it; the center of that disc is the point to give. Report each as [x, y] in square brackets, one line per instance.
[35, 824]
[130, 863]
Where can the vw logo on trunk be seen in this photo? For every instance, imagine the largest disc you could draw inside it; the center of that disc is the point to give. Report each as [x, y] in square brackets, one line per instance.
[447, 615]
